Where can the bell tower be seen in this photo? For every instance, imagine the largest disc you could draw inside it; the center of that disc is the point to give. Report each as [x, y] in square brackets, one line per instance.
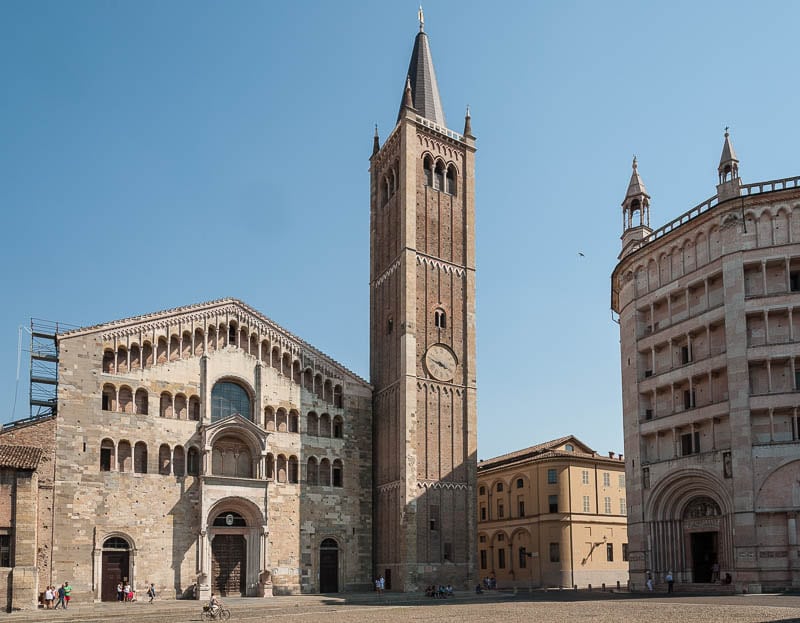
[635, 213]
[422, 340]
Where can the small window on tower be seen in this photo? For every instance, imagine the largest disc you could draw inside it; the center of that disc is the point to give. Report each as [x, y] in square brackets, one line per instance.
[794, 281]
[389, 325]
[427, 166]
[440, 319]
[438, 176]
[451, 180]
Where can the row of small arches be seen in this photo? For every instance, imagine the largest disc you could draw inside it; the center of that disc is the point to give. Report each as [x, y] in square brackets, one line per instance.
[125, 400]
[777, 227]
[126, 458]
[438, 175]
[188, 344]
[123, 457]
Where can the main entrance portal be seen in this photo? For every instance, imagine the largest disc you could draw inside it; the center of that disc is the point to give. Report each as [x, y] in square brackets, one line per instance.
[228, 568]
[704, 555]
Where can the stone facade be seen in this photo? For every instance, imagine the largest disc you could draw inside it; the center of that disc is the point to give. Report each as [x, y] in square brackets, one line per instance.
[198, 425]
[553, 515]
[709, 349]
[422, 342]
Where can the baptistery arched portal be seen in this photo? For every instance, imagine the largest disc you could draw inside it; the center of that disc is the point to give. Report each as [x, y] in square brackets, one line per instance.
[701, 523]
[329, 566]
[690, 528]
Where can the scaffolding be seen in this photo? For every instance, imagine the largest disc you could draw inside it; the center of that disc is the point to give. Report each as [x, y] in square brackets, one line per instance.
[43, 368]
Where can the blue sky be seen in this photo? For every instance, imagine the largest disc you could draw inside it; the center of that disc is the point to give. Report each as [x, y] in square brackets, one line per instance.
[161, 154]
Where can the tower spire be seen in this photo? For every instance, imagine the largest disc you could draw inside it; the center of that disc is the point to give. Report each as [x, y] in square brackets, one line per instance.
[728, 162]
[376, 142]
[635, 212]
[729, 183]
[422, 78]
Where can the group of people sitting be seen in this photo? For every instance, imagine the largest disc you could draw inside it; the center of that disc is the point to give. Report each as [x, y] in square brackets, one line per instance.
[439, 592]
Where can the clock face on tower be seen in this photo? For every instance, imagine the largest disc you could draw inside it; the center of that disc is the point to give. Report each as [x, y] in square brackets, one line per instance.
[440, 362]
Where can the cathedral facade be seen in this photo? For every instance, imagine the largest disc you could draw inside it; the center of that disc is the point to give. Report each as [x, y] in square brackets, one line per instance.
[205, 449]
[710, 354]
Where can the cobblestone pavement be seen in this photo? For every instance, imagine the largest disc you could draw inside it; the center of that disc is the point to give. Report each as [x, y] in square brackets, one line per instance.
[551, 607]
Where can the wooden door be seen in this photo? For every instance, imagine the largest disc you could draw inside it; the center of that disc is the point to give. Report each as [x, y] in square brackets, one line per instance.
[228, 568]
[328, 569]
[115, 570]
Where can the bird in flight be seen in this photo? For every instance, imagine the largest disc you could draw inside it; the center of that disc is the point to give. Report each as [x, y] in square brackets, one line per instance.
[581, 254]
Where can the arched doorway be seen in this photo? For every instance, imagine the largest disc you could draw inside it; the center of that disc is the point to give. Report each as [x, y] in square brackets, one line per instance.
[689, 517]
[329, 566]
[229, 556]
[701, 524]
[115, 566]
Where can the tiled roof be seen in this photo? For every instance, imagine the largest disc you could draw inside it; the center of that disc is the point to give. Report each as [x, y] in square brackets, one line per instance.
[548, 449]
[20, 457]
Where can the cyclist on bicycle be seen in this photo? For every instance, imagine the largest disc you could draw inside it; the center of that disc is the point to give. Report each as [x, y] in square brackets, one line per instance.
[214, 604]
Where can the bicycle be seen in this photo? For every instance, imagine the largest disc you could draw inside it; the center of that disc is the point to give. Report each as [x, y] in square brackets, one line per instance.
[220, 614]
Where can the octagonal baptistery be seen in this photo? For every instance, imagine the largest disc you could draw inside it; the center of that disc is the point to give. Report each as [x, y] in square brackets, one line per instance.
[206, 449]
[710, 354]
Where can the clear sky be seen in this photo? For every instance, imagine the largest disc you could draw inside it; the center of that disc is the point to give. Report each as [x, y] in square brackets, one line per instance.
[159, 154]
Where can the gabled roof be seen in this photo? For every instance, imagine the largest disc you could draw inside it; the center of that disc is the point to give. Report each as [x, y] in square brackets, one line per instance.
[547, 449]
[424, 88]
[224, 305]
[20, 457]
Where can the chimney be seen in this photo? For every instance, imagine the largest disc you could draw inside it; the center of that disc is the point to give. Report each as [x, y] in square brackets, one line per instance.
[610, 454]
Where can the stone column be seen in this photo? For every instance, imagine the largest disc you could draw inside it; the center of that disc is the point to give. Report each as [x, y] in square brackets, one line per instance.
[204, 560]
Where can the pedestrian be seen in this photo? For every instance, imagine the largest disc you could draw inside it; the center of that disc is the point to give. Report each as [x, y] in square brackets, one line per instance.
[715, 572]
[670, 581]
[60, 598]
[67, 591]
[382, 583]
[126, 592]
[48, 598]
[151, 592]
[120, 594]
[649, 583]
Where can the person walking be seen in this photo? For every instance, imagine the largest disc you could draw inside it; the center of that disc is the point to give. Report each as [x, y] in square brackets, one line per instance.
[120, 594]
[670, 581]
[60, 598]
[151, 592]
[67, 591]
[48, 598]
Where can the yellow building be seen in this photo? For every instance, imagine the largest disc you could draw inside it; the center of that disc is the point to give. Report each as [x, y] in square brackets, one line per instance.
[552, 515]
